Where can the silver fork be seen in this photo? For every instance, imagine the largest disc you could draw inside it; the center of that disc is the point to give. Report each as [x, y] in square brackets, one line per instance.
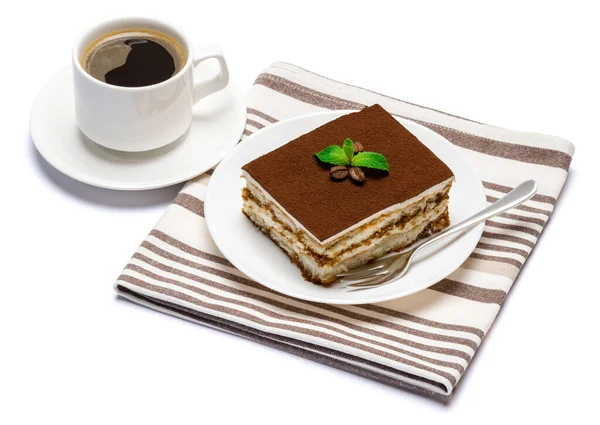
[393, 266]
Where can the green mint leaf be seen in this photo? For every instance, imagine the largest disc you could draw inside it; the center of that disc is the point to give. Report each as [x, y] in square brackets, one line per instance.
[349, 149]
[371, 160]
[333, 155]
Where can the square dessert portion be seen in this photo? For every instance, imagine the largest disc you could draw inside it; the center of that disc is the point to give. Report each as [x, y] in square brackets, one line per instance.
[329, 221]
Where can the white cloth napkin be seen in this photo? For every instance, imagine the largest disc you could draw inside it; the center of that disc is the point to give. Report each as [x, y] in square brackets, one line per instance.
[423, 342]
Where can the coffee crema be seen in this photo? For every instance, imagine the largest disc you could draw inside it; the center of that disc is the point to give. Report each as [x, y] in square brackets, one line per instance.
[134, 58]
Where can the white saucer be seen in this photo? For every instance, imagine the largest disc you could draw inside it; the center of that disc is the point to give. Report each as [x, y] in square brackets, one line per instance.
[259, 258]
[217, 124]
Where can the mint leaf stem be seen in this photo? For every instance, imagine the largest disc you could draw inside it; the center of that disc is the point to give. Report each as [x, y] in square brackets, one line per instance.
[349, 149]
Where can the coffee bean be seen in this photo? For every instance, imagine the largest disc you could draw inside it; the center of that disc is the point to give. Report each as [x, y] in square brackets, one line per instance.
[338, 173]
[357, 174]
[358, 147]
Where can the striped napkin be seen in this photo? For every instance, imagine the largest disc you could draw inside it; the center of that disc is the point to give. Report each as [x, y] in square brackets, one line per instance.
[423, 342]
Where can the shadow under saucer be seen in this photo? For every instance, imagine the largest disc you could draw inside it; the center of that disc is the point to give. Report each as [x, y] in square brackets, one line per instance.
[101, 196]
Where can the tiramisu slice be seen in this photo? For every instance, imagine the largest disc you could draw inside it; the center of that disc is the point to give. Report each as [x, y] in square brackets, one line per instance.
[348, 192]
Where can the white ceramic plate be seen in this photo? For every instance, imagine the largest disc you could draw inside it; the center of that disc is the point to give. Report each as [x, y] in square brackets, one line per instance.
[260, 259]
[217, 124]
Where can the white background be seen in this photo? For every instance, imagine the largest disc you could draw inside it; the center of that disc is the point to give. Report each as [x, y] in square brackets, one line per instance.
[71, 352]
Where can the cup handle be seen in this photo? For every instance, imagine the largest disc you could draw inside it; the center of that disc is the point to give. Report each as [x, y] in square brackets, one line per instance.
[215, 83]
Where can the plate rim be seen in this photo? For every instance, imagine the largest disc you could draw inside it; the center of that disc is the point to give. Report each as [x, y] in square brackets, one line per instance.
[382, 298]
[51, 158]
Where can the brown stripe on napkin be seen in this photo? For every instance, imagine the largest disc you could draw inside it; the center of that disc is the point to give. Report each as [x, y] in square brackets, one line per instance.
[523, 207]
[471, 292]
[505, 189]
[189, 249]
[497, 259]
[254, 123]
[402, 315]
[261, 114]
[502, 248]
[514, 227]
[509, 238]
[191, 203]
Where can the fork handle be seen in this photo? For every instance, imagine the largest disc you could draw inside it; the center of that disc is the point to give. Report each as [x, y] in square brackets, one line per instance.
[515, 197]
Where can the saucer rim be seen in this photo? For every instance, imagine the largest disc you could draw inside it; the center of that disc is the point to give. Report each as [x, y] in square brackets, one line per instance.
[49, 156]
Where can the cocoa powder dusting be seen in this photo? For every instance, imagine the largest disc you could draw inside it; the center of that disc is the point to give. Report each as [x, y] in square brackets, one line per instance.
[297, 180]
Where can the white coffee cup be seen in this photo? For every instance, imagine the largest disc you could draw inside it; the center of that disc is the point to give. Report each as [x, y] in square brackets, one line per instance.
[137, 119]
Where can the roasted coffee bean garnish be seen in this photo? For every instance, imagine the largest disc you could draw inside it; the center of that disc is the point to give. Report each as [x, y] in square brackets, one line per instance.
[339, 172]
[358, 147]
[357, 175]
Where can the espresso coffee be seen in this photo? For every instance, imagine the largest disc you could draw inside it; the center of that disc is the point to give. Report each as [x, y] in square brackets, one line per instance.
[134, 58]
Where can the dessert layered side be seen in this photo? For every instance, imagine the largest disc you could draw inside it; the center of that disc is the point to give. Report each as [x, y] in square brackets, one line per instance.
[373, 188]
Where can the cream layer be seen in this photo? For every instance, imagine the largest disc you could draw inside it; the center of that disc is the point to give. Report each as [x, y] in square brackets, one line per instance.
[264, 217]
[359, 233]
[318, 272]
